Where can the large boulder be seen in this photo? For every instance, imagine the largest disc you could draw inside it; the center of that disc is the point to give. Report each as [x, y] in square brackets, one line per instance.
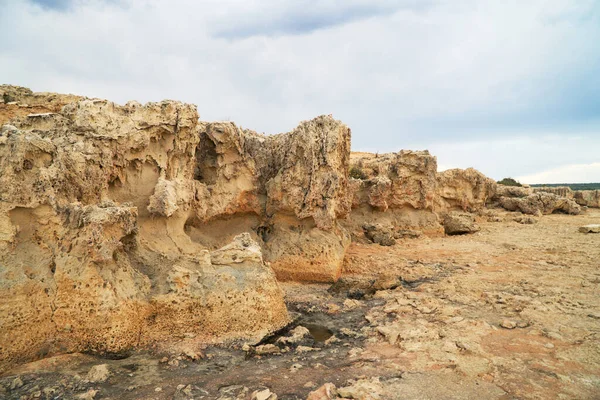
[459, 223]
[540, 203]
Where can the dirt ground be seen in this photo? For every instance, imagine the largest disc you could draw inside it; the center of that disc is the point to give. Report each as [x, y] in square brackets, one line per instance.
[510, 312]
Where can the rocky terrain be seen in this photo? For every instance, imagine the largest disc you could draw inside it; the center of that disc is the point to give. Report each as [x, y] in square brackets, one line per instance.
[145, 253]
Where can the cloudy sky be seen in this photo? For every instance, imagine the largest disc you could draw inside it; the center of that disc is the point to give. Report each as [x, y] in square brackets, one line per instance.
[511, 88]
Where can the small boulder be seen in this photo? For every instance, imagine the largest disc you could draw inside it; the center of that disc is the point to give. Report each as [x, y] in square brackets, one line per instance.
[457, 223]
[267, 349]
[525, 219]
[593, 228]
[407, 233]
[379, 234]
[265, 394]
[508, 324]
[98, 373]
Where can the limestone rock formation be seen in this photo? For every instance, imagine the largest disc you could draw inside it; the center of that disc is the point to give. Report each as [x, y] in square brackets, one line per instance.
[18, 101]
[512, 191]
[395, 180]
[379, 234]
[289, 189]
[588, 198]
[562, 191]
[540, 203]
[396, 189]
[95, 250]
[463, 189]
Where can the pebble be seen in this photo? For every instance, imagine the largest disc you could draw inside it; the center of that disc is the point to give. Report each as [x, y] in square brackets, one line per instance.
[508, 324]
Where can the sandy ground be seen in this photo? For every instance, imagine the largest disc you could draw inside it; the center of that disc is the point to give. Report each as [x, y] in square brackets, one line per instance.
[510, 312]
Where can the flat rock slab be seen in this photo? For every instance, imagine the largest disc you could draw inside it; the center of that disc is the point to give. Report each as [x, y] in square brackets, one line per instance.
[594, 228]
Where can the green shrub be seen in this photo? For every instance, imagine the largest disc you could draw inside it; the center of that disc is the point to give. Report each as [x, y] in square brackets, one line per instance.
[509, 182]
[357, 173]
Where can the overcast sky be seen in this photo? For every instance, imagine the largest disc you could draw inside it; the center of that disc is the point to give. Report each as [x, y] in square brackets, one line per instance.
[511, 88]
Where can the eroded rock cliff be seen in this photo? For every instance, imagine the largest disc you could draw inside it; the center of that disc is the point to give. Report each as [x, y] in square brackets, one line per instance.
[124, 226]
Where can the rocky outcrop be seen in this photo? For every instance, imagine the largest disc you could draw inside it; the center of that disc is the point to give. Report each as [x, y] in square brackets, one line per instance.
[463, 189]
[104, 209]
[540, 203]
[121, 226]
[288, 189]
[562, 191]
[393, 189]
[405, 191]
[587, 198]
[512, 191]
[17, 101]
[406, 179]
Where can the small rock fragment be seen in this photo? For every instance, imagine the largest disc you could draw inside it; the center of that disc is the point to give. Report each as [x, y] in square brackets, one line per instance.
[263, 395]
[98, 373]
[267, 349]
[305, 349]
[326, 392]
[508, 324]
[89, 395]
[16, 383]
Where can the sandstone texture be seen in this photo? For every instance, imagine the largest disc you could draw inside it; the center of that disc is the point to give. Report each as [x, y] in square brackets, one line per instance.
[135, 226]
[562, 191]
[393, 189]
[289, 190]
[404, 190]
[466, 190]
[540, 203]
[588, 198]
[125, 225]
[512, 191]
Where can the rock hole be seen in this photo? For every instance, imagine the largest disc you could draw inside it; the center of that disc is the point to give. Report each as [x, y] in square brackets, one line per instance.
[206, 161]
[27, 164]
[319, 333]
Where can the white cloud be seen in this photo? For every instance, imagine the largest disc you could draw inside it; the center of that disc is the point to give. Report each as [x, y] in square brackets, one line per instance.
[399, 73]
[577, 173]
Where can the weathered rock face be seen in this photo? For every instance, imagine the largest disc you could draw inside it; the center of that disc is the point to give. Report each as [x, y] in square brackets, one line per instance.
[463, 189]
[96, 245]
[540, 203]
[395, 180]
[512, 191]
[405, 191]
[288, 189]
[396, 189]
[562, 191]
[588, 198]
[19, 102]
